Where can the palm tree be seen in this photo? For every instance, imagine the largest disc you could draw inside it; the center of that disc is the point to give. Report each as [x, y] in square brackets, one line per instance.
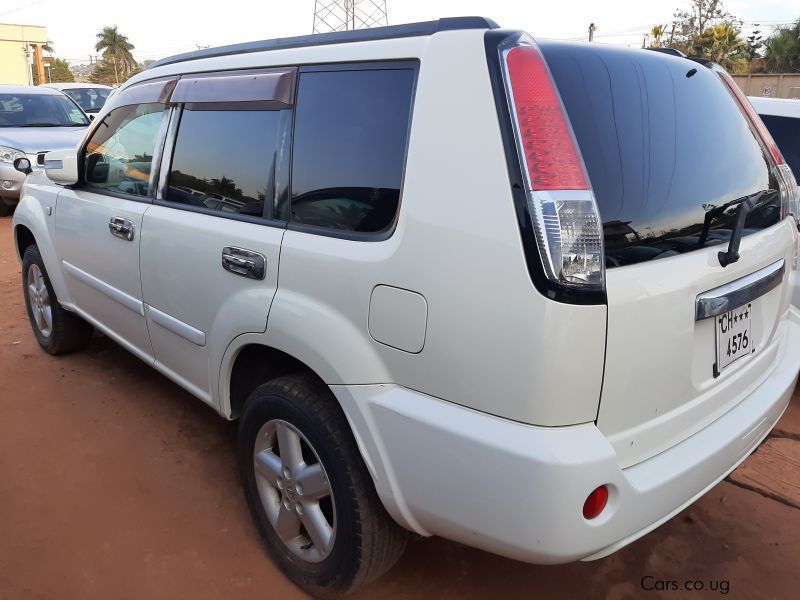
[658, 33]
[117, 48]
[722, 44]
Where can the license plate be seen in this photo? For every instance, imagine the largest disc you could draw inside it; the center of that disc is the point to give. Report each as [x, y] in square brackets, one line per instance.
[734, 336]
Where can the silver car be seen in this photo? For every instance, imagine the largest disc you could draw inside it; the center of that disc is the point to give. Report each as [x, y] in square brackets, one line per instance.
[33, 121]
[90, 96]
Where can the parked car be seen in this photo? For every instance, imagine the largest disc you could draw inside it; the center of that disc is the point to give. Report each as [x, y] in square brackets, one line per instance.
[90, 96]
[781, 116]
[33, 121]
[531, 297]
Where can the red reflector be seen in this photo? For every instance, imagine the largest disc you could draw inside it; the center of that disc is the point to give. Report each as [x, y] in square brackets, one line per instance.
[595, 503]
[752, 116]
[550, 153]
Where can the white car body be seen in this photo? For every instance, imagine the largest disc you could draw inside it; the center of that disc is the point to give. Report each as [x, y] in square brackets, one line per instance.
[779, 112]
[475, 400]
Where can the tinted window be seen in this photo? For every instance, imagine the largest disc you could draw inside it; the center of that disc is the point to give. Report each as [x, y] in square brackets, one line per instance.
[223, 159]
[786, 133]
[119, 155]
[40, 110]
[90, 100]
[350, 136]
[666, 153]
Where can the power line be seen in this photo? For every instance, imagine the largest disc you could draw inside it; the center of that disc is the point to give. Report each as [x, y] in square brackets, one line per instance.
[8, 12]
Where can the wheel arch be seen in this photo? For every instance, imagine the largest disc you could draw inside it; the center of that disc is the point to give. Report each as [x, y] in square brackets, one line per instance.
[251, 364]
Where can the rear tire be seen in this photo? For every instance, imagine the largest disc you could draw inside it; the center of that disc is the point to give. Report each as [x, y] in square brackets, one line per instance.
[57, 330]
[359, 540]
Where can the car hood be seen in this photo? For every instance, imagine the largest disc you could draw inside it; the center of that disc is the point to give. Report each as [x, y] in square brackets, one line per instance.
[41, 139]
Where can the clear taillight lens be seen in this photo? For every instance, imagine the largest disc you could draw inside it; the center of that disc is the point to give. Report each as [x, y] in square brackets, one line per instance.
[790, 193]
[566, 221]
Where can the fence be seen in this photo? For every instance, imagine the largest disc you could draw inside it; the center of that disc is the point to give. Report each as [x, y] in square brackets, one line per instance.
[777, 85]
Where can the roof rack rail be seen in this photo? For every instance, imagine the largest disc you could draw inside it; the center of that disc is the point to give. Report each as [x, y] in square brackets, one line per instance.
[338, 37]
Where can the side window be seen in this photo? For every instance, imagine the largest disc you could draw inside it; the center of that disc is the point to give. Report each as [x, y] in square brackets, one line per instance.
[119, 155]
[224, 160]
[350, 136]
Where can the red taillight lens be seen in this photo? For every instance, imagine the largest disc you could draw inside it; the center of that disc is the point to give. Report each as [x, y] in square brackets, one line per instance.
[752, 117]
[595, 503]
[549, 150]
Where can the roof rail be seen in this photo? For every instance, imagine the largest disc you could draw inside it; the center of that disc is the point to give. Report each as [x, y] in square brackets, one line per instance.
[338, 37]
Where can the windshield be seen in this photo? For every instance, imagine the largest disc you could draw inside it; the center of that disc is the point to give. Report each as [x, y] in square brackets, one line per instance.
[91, 100]
[40, 110]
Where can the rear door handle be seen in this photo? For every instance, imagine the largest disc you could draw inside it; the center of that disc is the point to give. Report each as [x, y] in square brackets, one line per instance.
[121, 228]
[246, 263]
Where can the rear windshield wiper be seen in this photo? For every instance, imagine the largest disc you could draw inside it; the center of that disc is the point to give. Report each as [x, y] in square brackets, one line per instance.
[746, 204]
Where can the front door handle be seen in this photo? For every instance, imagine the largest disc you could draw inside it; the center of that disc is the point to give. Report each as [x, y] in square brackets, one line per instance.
[121, 228]
[246, 263]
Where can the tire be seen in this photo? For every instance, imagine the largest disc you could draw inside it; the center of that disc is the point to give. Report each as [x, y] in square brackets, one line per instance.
[365, 541]
[57, 330]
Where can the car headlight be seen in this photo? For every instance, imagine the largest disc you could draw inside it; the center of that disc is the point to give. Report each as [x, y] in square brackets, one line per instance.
[9, 155]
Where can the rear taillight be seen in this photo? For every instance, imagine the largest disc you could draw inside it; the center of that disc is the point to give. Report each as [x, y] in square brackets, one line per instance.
[790, 195]
[565, 218]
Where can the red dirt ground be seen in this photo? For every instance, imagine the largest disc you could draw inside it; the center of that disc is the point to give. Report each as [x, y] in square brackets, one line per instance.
[116, 484]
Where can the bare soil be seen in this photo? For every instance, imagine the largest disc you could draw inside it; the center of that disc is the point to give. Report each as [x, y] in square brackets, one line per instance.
[115, 483]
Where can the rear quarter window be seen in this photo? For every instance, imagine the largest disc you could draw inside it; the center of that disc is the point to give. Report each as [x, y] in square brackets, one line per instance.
[350, 137]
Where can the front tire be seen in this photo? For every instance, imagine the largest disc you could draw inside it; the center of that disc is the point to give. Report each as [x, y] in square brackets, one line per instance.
[309, 492]
[57, 330]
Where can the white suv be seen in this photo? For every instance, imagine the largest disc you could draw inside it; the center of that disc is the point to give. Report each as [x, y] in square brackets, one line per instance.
[532, 297]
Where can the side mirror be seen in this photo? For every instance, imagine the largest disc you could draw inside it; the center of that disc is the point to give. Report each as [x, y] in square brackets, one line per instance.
[23, 165]
[61, 166]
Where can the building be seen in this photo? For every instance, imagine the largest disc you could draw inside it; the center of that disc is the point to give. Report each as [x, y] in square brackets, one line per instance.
[21, 46]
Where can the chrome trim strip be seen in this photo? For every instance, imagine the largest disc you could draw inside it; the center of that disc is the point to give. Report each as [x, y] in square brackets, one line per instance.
[176, 326]
[737, 293]
[107, 290]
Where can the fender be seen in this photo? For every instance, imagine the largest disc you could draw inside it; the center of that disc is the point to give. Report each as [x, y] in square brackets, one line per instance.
[315, 334]
[37, 212]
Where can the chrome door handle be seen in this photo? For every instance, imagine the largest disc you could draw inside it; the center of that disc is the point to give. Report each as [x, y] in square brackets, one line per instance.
[121, 228]
[246, 263]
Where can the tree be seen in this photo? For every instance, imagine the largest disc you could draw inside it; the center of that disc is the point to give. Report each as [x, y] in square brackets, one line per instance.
[722, 44]
[657, 33]
[105, 72]
[57, 72]
[782, 49]
[754, 44]
[116, 49]
[691, 25]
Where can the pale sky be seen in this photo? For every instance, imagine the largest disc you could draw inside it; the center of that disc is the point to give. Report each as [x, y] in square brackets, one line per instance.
[160, 28]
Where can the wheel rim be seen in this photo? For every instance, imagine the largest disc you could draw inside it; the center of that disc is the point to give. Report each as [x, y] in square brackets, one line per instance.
[39, 298]
[295, 490]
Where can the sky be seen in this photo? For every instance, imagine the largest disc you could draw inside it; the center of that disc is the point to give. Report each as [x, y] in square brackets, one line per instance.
[159, 28]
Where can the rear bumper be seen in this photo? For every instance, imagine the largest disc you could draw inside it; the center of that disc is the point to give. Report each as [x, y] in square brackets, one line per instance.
[518, 490]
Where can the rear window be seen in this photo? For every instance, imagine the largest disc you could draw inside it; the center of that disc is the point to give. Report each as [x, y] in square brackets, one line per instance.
[351, 130]
[669, 154]
[786, 133]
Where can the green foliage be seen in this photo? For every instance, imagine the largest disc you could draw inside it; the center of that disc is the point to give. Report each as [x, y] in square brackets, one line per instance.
[116, 49]
[58, 73]
[782, 50]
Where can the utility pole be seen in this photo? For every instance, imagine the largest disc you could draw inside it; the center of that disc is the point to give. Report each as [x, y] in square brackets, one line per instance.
[592, 29]
[347, 15]
[671, 34]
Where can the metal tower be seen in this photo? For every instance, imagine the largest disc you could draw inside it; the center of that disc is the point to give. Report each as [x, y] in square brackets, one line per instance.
[343, 15]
